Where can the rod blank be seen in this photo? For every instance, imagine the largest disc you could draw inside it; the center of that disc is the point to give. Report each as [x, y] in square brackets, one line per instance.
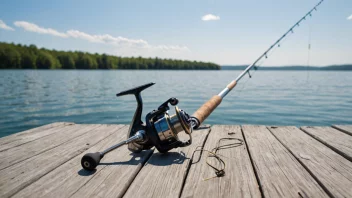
[207, 108]
[225, 91]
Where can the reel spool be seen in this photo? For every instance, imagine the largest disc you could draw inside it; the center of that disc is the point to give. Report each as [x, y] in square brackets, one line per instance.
[159, 130]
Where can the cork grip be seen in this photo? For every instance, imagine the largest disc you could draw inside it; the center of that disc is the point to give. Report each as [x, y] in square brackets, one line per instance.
[207, 108]
[231, 85]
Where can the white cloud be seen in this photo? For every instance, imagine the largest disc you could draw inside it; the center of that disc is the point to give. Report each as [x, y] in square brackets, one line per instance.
[171, 47]
[210, 17]
[31, 27]
[104, 38]
[5, 27]
[350, 17]
[121, 41]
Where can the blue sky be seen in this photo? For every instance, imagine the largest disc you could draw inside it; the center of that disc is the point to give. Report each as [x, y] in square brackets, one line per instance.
[239, 32]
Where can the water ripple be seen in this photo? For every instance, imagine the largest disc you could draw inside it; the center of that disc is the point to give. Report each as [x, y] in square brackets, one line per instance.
[30, 98]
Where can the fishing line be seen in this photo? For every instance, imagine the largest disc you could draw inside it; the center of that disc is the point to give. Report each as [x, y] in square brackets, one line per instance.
[208, 107]
[309, 49]
[261, 62]
[220, 166]
[160, 129]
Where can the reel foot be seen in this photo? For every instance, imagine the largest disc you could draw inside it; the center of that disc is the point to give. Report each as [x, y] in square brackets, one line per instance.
[90, 161]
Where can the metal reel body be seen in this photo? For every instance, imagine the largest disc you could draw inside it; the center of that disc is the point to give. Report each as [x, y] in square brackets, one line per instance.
[159, 130]
[162, 129]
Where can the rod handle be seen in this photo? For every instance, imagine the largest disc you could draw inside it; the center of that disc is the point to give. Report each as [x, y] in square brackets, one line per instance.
[232, 84]
[207, 108]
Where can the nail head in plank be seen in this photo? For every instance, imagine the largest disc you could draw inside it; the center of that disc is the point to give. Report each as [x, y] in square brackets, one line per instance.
[163, 174]
[239, 179]
[344, 128]
[333, 171]
[20, 175]
[70, 178]
[279, 173]
[332, 138]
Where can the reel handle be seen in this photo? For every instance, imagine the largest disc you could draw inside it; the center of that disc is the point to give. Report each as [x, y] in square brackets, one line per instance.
[91, 160]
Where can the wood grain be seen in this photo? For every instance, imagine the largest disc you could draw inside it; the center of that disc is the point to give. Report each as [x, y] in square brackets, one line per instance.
[279, 173]
[20, 175]
[239, 179]
[344, 128]
[70, 179]
[118, 169]
[207, 108]
[332, 138]
[333, 171]
[59, 136]
[163, 174]
[21, 138]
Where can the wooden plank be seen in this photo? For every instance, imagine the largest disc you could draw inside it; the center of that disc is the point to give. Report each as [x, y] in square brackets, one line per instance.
[239, 179]
[20, 175]
[18, 139]
[332, 138]
[69, 178]
[164, 174]
[330, 169]
[279, 173]
[60, 136]
[344, 128]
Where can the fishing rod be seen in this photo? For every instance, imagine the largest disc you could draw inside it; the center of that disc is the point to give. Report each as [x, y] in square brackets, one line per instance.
[161, 129]
[204, 111]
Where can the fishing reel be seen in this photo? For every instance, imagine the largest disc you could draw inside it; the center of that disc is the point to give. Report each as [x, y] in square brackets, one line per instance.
[160, 129]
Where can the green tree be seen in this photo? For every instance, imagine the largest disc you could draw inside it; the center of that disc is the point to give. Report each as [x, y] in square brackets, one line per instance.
[107, 62]
[45, 60]
[86, 62]
[22, 56]
[67, 61]
[10, 58]
[28, 61]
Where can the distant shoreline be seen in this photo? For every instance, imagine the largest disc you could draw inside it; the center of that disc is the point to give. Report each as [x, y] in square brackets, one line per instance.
[17, 56]
[346, 67]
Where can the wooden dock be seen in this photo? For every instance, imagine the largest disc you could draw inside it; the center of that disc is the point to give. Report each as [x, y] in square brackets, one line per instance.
[282, 161]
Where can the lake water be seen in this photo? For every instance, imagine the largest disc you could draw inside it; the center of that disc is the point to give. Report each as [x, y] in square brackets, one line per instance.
[30, 98]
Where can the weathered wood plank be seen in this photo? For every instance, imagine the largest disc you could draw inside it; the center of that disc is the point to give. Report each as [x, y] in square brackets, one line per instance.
[60, 136]
[69, 178]
[344, 128]
[21, 138]
[20, 175]
[279, 173]
[333, 171]
[163, 174]
[332, 138]
[239, 179]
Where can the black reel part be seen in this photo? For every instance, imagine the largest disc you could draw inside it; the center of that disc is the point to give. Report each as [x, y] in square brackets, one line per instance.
[160, 130]
[163, 129]
[91, 160]
[136, 123]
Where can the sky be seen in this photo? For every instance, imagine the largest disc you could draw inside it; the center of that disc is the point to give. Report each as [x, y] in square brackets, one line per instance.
[231, 32]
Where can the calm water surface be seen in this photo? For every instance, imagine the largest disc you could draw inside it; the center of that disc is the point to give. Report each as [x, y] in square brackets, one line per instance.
[30, 98]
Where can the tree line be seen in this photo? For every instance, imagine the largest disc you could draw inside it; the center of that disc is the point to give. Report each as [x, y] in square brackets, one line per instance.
[17, 56]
